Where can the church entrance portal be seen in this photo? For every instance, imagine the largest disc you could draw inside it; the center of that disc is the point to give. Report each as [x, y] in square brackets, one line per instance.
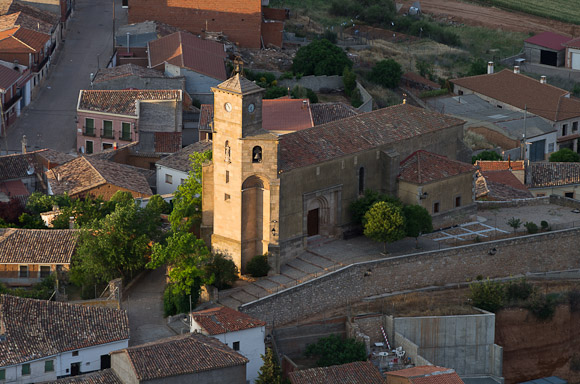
[313, 224]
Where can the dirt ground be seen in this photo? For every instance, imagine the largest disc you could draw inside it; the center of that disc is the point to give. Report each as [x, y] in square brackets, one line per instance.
[490, 17]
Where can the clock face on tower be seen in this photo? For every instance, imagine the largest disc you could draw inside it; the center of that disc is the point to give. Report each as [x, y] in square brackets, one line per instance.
[251, 108]
[228, 107]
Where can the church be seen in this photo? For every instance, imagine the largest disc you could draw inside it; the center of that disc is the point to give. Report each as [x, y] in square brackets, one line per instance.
[269, 193]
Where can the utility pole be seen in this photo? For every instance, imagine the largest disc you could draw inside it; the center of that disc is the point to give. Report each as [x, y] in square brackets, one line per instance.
[113, 28]
[525, 133]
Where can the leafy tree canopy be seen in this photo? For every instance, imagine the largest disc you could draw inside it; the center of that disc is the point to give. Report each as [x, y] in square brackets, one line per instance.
[384, 222]
[417, 220]
[565, 155]
[334, 350]
[359, 208]
[320, 57]
[477, 67]
[386, 73]
[222, 271]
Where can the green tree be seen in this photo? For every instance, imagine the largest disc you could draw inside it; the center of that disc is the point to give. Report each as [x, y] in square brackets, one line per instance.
[514, 223]
[222, 271]
[334, 350]
[417, 221]
[349, 81]
[38, 202]
[386, 73]
[359, 207]
[488, 295]
[270, 372]
[477, 67]
[424, 67]
[186, 256]
[320, 57]
[486, 156]
[565, 155]
[384, 222]
[158, 205]
[187, 200]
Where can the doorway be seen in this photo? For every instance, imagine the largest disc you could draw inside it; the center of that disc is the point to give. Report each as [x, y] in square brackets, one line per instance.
[313, 222]
[75, 369]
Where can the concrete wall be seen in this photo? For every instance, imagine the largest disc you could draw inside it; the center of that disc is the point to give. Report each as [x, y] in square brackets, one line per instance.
[142, 83]
[197, 84]
[164, 187]
[367, 105]
[550, 251]
[292, 341]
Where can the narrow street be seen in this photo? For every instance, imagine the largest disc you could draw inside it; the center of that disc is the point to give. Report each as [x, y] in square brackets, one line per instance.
[49, 121]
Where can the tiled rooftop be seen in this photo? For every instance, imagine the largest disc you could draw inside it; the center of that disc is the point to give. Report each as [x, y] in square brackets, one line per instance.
[24, 20]
[239, 84]
[22, 40]
[415, 77]
[500, 186]
[125, 70]
[13, 6]
[553, 174]
[38, 328]
[19, 165]
[37, 246]
[167, 142]
[323, 113]
[223, 320]
[522, 91]
[181, 355]
[359, 133]
[424, 167]
[360, 372]
[106, 376]
[84, 173]
[286, 114]
[419, 371]
[186, 50]
[180, 160]
[123, 102]
[8, 77]
[549, 40]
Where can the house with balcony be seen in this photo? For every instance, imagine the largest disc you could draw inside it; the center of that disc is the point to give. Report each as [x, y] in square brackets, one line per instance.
[11, 94]
[44, 340]
[35, 18]
[107, 119]
[29, 255]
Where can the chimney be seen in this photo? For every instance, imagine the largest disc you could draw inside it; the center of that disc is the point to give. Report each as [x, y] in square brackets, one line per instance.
[71, 222]
[543, 80]
[490, 67]
[517, 69]
[58, 178]
[115, 146]
[24, 142]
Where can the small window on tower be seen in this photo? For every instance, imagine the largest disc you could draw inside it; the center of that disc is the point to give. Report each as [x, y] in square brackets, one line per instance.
[227, 197]
[227, 177]
[257, 155]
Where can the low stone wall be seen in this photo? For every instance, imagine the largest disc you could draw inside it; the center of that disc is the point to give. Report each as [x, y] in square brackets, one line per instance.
[316, 83]
[455, 216]
[482, 205]
[367, 105]
[292, 341]
[564, 201]
[549, 251]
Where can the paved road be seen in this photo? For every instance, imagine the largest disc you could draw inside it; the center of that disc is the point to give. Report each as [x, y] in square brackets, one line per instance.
[49, 121]
[144, 306]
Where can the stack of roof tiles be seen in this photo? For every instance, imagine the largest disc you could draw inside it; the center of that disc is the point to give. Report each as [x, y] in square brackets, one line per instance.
[181, 355]
[37, 246]
[424, 167]
[223, 320]
[360, 372]
[34, 329]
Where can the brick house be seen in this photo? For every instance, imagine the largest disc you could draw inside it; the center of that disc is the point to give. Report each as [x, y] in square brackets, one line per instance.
[244, 23]
[190, 358]
[107, 119]
[360, 372]
[240, 331]
[88, 176]
[29, 255]
[200, 62]
[44, 340]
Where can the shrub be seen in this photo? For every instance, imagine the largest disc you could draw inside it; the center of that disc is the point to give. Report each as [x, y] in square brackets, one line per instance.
[487, 295]
[334, 350]
[434, 93]
[519, 291]
[174, 304]
[386, 73]
[286, 75]
[531, 227]
[258, 266]
[356, 98]
[545, 226]
[514, 223]
[330, 36]
[564, 155]
[486, 156]
[359, 207]
[223, 270]
[320, 57]
[574, 300]
[349, 81]
[543, 306]
[275, 92]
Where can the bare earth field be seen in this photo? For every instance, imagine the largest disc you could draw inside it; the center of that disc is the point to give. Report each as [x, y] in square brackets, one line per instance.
[491, 17]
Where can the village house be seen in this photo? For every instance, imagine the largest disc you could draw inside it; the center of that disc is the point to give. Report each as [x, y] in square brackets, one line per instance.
[131, 76]
[29, 255]
[11, 94]
[173, 170]
[546, 48]
[512, 91]
[237, 330]
[108, 119]
[268, 193]
[436, 183]
[360, 372]
[248, 24]
[45, 340]
[562, 179]
[200, 62]
[37, 19]
[62, 8]
[190, 358]
[88, 176]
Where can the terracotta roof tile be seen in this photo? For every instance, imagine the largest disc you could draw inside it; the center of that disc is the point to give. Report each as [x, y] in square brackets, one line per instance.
[323, 113]
[416, 78]
[13, 6]
[37, 246]
[424, 167]
[286, 114]
[14, 188]
[487, 165]
[186, 50]
[180, 160]
[239, 84]
[574, 43]
[500, 186]
[38, 328]
[18, 166]
[520, 91]
[438, 378]
[125, 70]
[358, 133]
[24, 20]
[122, 102]
[84, 173]
[549, 40]
[167, 142]
[106, 376]
[181, 355]
[8, 77]
[554, 174]
[20, 39]
[419, 371]
[223, 320]
[360, 372]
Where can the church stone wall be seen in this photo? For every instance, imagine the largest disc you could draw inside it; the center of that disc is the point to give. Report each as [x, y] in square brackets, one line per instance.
[551, 251]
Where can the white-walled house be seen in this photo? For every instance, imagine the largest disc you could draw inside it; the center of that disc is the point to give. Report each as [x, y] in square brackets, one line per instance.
[173, 170]
[237, 330]
[45, 340]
